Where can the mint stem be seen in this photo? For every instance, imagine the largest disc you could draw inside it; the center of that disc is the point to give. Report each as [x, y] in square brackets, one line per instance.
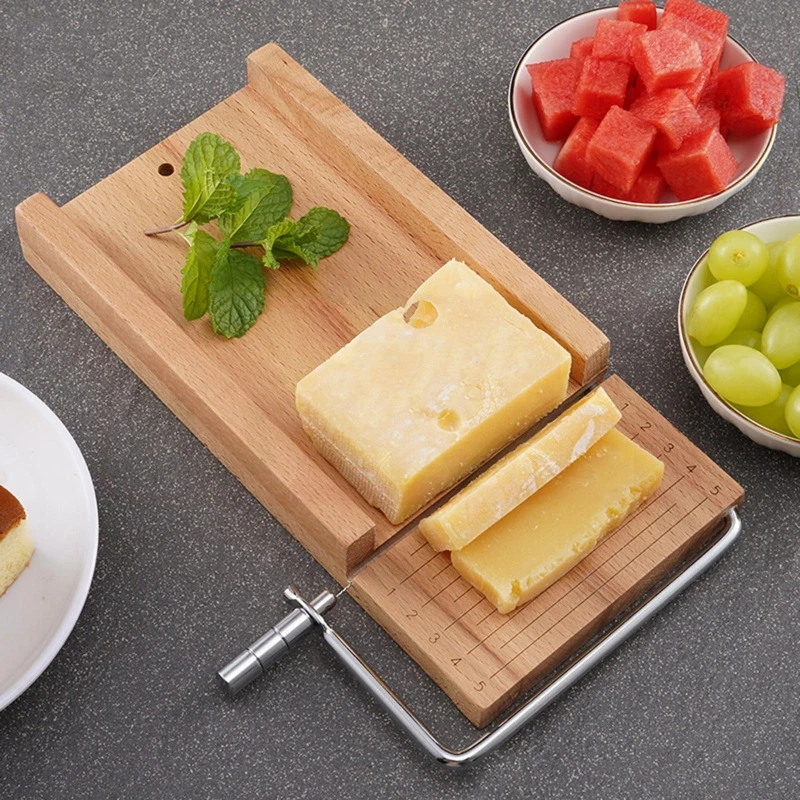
[246, 244]
[167, 228]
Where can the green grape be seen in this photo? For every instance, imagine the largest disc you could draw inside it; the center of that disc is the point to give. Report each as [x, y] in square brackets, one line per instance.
[754, 315]
[742, 375]
[716, 311]
[789, 266]
[746, 338]
[772, 415]
[793, 411]
[700, 353]
[767, 287]
[784, 301]
[780, 339]
[791, 375]
[738, 256]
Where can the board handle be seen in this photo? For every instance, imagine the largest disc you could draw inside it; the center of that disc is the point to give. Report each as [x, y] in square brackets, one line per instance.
[621, 630]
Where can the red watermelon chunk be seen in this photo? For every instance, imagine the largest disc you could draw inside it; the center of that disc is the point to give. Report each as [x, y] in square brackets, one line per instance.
[711, 44]
[649, 186]
[581, 49]
[710, 118]
[614, 39]
[602, 84]
[665, 59]
[571, 161]
[554, 84]
[702, 165]
[672, 113]
[750, 97]
[620, 147]
[601, 186]
[711, 19]
[641, 11]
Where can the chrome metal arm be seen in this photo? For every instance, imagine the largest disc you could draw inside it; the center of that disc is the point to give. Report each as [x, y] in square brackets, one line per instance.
[312, 613]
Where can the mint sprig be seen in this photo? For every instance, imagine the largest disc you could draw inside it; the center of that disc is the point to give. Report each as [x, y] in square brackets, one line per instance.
[220, 279]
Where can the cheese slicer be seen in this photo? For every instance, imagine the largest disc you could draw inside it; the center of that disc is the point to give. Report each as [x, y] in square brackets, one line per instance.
[309, 616]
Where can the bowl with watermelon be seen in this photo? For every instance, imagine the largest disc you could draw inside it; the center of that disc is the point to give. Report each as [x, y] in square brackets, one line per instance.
[642, 113]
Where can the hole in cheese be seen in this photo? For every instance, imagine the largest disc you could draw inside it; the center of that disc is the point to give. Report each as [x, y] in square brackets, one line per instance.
[420, 314]
[448, 420]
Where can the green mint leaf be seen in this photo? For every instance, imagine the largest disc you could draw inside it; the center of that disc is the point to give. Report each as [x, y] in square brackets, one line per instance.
[208, 162]
[197, 272]
[321, 232]
[275, 232]
[237, 291]
[265, 198]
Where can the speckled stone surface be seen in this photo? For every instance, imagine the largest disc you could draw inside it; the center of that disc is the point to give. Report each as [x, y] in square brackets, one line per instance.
[704, 702]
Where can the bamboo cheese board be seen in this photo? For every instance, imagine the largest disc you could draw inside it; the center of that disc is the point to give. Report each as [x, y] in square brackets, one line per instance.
[238, 396]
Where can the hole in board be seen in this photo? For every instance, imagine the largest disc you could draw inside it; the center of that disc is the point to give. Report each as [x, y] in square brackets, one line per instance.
[420, 314]
[448, 419]
[165, 169]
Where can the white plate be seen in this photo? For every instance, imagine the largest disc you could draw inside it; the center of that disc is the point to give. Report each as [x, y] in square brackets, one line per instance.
[41, 464]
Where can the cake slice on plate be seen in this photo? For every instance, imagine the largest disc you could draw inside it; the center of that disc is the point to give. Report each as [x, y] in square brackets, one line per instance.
[16, 545]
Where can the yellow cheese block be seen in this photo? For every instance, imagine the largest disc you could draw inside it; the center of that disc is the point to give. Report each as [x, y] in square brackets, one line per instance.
[558, 526]
[427, 393]
[517, 476]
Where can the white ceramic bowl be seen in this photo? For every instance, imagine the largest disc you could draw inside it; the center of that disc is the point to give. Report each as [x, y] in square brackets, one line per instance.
[751, 151]
[776, 229]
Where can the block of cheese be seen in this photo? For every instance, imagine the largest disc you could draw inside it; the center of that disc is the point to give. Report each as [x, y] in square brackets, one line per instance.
[428, 392]
[518, 475]
[16, 545]
[558, 526]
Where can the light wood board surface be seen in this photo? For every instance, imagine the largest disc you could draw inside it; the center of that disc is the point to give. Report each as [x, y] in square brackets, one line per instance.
[238, 396]
[483, 659]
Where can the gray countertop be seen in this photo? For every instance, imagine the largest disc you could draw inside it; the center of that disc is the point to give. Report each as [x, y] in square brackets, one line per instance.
[704, 702]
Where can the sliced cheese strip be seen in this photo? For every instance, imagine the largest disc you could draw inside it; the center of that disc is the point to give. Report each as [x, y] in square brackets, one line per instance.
[427, 393]
[517, 476]
[558, 526]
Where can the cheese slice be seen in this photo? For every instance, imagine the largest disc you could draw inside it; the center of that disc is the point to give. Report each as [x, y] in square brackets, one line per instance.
[558, 526]
[516, 477]
[427, 393]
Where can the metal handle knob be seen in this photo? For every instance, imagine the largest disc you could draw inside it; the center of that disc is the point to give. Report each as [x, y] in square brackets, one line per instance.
[256, 659]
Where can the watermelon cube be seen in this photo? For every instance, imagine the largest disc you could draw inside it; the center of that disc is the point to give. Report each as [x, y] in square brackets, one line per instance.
[614, 39]
[672, 112]
[702, 165]
[571, 161]
[665, 59]
[709, 95]
[602, 84]
[711, 19]
[649, 186]
[601, 186]
[641, 11]
[620, 147]
[710, 118]
[554, 84]
[711, 43]
[750, 97]
[581, 49]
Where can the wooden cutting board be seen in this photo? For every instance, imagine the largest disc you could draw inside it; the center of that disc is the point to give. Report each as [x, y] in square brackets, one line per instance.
[238, 396]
